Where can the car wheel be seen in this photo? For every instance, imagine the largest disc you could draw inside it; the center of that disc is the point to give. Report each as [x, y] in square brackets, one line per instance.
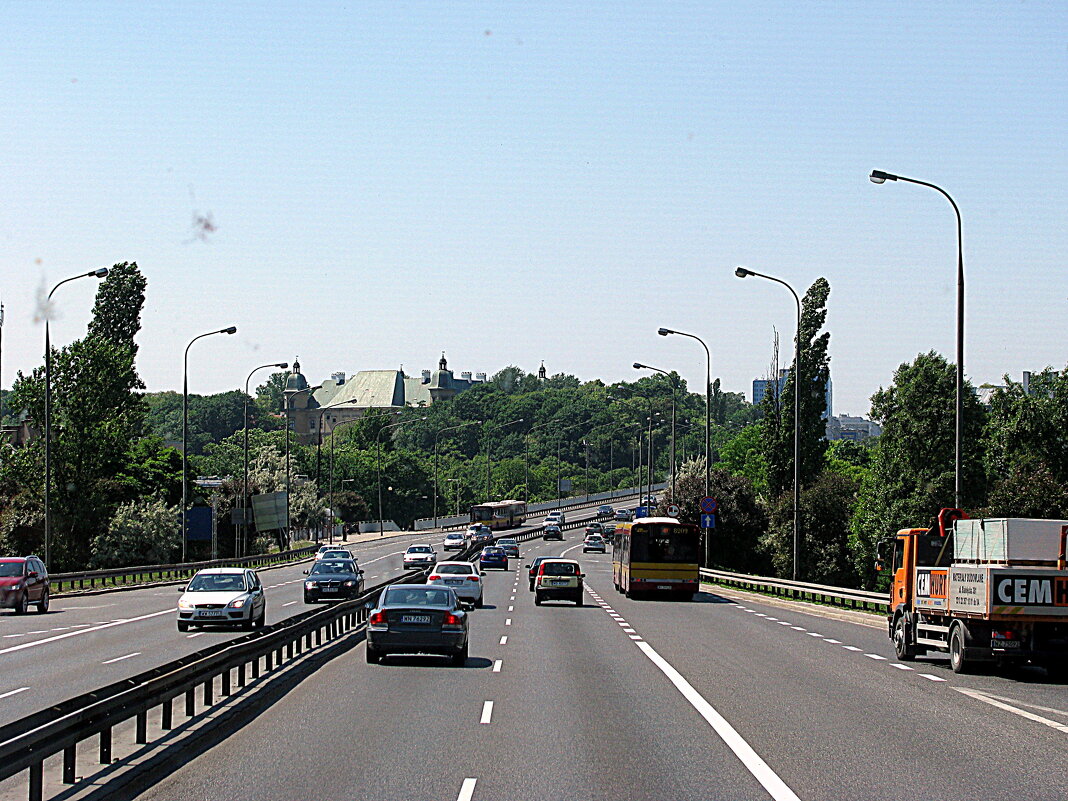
[248, 625]
[183, 626]
[307, 598]
[578, 600]
[374, 656]
[478, 602]
[460, 659]
[22, 604]
[42, 605]
[537, 599]
[261, 621]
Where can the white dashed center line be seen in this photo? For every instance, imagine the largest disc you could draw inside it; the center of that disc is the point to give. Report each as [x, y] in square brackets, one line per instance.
[467, 789]
[497, 666]
[487, 712]
[504, 640]
[120, 658]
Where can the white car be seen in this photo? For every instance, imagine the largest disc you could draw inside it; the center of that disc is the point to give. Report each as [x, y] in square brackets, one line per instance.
[454, 542]
[555, 518]
[419, 556]
[593, 542]
[222, 596]
[463, 578]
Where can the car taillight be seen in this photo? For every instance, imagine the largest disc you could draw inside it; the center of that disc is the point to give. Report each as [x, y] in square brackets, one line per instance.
[472, 578]
[451, 620]
[434, 577]
[378, 619]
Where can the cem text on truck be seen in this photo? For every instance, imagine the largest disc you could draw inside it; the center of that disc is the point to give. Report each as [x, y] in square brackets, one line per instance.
[983, 590]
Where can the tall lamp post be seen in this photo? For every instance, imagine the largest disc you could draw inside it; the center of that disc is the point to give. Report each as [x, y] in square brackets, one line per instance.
[708, 402]
[244, 483]
[289, 424]
[100, 272]
[559, 440]
[436, 435]
[183, 522]
[526, 458]
[880, 177]
[378, 448]
[489, 469]
[743, 272]
[671, 378]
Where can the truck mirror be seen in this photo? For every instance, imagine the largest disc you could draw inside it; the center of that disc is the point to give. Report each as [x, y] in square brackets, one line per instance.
[878, 564]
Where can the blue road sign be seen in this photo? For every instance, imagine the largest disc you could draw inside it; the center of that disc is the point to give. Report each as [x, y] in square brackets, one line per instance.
[708, 521]
[708, 505]
[641, 511]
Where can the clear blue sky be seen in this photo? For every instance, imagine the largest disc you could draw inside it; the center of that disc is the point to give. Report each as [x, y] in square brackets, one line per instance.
[513, 182]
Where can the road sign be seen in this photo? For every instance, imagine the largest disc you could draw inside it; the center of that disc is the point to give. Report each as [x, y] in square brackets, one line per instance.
[708, 521]
[641, 511]
[673, 510]
[708, 505]
[270, 511]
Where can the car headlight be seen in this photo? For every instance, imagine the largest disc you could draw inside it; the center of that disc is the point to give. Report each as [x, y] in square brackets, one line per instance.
[309, 585]
[237, 603]
[184, 604]
[350, 583]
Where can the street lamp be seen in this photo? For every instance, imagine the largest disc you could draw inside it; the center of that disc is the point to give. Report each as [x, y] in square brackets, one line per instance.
[100, 272]
[743, 272]
[436, 435]
[289, 395]
[708, 402]
[559, 440]
[244, 484]
[378, 448]
[880, 177]
[183, 522]
[671, 378]
[489, 469]
[526, 458]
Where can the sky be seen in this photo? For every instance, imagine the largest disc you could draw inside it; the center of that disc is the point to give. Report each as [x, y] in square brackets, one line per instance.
[518, 182]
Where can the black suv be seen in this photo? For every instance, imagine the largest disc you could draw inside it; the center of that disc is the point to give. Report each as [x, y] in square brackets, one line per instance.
[23, 581]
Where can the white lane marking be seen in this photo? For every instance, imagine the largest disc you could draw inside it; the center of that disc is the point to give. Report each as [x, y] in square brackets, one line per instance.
[286, 604]
[35, 643]
[45, 631]
[784, 623]
[771, 782]
[467, 790]
[931, 677]
[629, 630]
[497, 665]
[61, 628]
[9, 636]
[851, 647]
[993, 701]
[512, 598]
[832, 641]
[876, 656]
[798, 628]
[508, 622]
[772, 618]
[504, 640]
[758, 614]
[10, 693]
[899, 666]
[814, 634]
[120, 658]
[379, 559]
[487, 712]
[191, 636]
[511, 608]
[569, 550]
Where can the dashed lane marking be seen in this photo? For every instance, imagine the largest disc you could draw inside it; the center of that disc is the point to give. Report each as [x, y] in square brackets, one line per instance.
[191, 636]
[487, 712]
[120, 658]
[10, 693]
[931, 677]
[497, 665]
[851, 648]
[35, 643]
[508, 622]
[467, 790]
[899, 666]
[876, 657]
[504, 640]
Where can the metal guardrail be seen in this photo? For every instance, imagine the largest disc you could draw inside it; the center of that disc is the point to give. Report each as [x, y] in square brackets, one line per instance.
[797, 590]
[144, 574]
[28, 742]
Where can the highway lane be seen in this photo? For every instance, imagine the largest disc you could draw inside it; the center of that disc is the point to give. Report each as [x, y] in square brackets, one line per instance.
[85, 642]
[627, 699]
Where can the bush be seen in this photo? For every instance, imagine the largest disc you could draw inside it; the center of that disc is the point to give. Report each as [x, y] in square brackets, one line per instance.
[140, 533]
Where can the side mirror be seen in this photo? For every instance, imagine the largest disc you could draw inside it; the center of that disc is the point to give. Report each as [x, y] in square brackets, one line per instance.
[527, 567]
[307, 572]
[878, 564]
[582, 575]
[182, 588]
[32, 574]
[481, 572]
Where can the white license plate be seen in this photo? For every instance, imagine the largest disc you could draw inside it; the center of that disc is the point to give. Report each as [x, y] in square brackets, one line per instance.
[454, 581]
[415, 618]
[328, 589]
[560, 583]
[210, 613]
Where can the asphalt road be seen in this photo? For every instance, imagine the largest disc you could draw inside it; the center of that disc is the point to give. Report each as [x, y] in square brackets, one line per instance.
[86, 642]
[623, 699]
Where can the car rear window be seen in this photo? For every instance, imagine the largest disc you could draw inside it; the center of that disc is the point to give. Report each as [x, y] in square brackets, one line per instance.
[558, 569]
[419, 549]
[409, 596]
[455, 570]
[493, 551]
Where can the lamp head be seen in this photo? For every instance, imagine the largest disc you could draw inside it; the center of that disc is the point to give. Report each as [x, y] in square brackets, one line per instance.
[880, 177]
[639, 366]
[742, 272]
[664, 331]
[283, 365]
[231, 330]
[100, 272]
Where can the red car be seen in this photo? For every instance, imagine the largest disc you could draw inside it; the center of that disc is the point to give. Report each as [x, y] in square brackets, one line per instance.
[23, 581]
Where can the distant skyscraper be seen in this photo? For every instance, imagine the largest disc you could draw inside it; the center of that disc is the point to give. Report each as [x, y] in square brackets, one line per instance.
[762, 385]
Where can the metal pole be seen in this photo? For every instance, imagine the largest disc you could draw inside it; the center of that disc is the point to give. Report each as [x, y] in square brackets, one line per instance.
[587, 481]
[244, 482]
[436, 436]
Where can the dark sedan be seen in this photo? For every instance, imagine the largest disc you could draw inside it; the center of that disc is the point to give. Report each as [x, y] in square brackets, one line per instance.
[418, 619]
[333, 580]
[493, 557]
[532, 569]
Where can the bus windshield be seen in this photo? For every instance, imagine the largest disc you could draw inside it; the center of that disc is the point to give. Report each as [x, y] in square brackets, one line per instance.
[663, 543]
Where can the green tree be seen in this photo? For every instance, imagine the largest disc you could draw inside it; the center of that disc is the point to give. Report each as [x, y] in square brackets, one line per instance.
[270, 395]
[117, 311]
[140, 532]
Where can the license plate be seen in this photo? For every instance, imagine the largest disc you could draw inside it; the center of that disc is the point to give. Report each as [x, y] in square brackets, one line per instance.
[210, 613]
[415, 618]
[560, 582]
[328, 589]
[1005, 644]
[454, 581]
[663, 586]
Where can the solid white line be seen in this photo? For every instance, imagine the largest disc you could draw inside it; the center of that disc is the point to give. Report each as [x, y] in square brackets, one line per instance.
[771, 782]
[120, 658]
[35, 643]
[929, 676]
[986, 699]
[10, 693]
[467, 789]
[487, 712]
[497, 666]
[504, 640]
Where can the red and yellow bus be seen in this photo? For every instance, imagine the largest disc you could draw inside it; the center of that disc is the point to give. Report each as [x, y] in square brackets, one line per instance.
[500, 514]
[656, 556]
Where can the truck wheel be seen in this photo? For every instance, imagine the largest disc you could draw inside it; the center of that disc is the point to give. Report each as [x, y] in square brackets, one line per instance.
[904, 650]
[957, 659]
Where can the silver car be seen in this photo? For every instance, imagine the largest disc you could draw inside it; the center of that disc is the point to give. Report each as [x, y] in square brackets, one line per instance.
[463, 578]
[222, 596]
[419, 556]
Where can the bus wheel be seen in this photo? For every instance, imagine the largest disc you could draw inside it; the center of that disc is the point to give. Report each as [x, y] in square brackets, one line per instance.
[957, 658]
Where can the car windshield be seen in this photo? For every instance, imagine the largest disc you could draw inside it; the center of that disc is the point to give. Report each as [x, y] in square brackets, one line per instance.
[456, 570]
[9, 569]
[454, 536]
[559, 569]
[217, 582]
[333, 568]
[411, 596]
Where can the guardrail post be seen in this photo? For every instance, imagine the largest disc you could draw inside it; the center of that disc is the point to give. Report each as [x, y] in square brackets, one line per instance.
[141, 736]
[37, 781]
[190, 702]
[241, 675]
[166, 712]
[256, 668]
[268, 661]
[105, 746]
[70, 759]
[208, 688]
[225, 683]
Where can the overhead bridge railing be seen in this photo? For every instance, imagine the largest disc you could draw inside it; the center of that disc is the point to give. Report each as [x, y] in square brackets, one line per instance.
[214, 673]
[800, 591]
[146, 574]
